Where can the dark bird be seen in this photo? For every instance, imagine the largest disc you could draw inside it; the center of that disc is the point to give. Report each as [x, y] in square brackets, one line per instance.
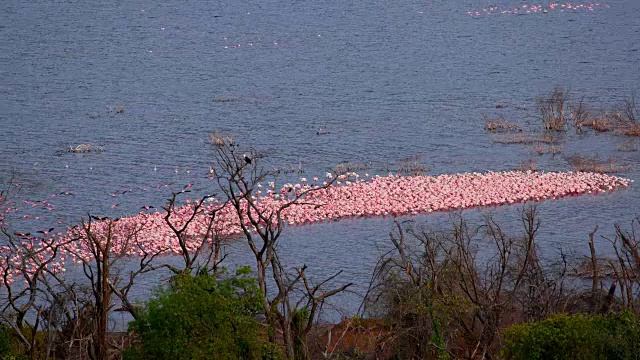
[45, 232]
[99, 218]
[24, 235]
[147, 207]
[65, 193]
[246, 158]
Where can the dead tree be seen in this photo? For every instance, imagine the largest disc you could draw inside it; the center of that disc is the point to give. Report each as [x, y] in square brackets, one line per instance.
[26, 262]
[98, 240]
[40, 306]
[444, 299]
[239, 174]
[626, 264]
[193, 246]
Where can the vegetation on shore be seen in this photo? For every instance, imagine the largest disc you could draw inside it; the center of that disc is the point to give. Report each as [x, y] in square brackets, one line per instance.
[438, 294]
[197, 316]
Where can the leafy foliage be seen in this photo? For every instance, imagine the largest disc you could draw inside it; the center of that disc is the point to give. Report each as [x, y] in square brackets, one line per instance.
[8, 344]
[5, 341]
[579, 336]
[201, 317]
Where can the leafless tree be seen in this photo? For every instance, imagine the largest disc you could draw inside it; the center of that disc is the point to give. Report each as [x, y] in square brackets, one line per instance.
[552, 109]
[208, 242]
[291, 308]
[28, 265]
[630, 110]
[45, 312]
[580, 115]
[626, 264]
[37, 297]
[448, 299]
[625, 117]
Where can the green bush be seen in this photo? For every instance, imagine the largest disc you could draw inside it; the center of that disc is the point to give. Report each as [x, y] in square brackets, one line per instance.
[201, 317]
[5, 342]
[579, 336]
[8, 344]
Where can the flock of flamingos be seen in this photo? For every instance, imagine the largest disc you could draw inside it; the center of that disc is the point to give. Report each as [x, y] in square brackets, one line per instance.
[347, 196]
[535, 9]
[523, 9]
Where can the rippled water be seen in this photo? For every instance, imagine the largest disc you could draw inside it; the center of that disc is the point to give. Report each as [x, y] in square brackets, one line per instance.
[386, 81]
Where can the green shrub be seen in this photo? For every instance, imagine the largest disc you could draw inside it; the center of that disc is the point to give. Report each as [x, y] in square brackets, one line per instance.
[576, 337]
[201, 317]
[5, 342]
[9, 345]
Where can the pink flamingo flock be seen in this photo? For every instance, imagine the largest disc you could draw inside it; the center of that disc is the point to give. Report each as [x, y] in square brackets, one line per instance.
[533, 9]
[349, 195]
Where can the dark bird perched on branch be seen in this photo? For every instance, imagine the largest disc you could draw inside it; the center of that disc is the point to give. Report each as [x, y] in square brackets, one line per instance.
[246, 158]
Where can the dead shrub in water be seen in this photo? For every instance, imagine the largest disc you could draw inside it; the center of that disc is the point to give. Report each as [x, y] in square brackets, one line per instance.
[580, 116]
[625, 119]
[594, 164]
[627, 147]
[523, 139]
[629, 109]
[351, 167]
[412, 166]
[552, 149]
[552, 109]
[500, 125]
[621, 118]
[527, 165]
[602, 123]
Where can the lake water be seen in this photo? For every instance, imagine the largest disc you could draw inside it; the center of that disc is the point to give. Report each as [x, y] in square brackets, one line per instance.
[385, 81]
